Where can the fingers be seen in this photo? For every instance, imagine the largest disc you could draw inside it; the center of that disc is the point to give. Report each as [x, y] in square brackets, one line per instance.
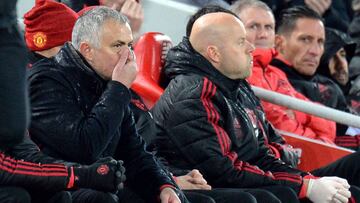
[320, 6]
[200, 181]
[202, 187]
[313, 5]
[335, 201]
[129, 7]
[344, 193]
[339, 198]
[123, 58]
[195, 173]
[342, 181]
[138, 11]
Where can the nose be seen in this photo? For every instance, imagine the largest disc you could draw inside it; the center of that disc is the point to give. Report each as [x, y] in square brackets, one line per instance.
[316, 49]
[341, 63]
[262, 33]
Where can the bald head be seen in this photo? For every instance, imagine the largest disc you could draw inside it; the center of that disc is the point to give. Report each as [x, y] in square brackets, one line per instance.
[221, 39]
[212, 29]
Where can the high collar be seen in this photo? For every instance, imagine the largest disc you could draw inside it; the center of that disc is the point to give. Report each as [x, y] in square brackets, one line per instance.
[290, 71]
[184, 59]
[68, 56]
[262, 57]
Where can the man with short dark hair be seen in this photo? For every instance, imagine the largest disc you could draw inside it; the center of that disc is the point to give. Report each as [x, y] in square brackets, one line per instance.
[300, 42]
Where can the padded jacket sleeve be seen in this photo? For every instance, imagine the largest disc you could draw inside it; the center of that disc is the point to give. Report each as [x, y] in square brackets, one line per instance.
[15, 172]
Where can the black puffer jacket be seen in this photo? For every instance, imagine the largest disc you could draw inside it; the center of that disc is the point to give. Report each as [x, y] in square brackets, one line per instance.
[329, 95]
[14, 109]
[215, 124]
[335, 40]
[79, 117]
[7, 13]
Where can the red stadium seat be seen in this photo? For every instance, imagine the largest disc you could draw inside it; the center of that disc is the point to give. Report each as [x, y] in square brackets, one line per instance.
[314, 154]
[150, 51]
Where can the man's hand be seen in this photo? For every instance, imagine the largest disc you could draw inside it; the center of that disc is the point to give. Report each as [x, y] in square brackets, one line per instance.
[320, 6]
[132, 9]
[106, 174]
[168, 195]
[126, 69]
[328, 189]
[290, 113]
[135, 13]
[192, 181]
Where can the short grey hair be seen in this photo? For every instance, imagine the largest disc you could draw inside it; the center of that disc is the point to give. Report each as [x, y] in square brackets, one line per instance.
[88, 27]
[239, 5]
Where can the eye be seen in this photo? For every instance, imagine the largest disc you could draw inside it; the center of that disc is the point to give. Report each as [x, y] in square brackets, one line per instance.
[305, 39]
[269, 27]
[254, 26]
[343, 54]
[118, 45]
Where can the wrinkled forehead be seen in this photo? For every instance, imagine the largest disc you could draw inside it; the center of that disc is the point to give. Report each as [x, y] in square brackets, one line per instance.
[256, 14]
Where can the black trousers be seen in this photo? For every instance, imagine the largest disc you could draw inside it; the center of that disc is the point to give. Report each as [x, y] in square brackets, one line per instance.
[14, 195]
[223, 195]
[20, 195]
[50, 197]
[274, 194]
[348, 168]
[92, 196]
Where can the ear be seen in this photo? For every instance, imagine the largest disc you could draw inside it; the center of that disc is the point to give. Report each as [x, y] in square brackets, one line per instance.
[279, 43]
[213, 54]
[87, 51]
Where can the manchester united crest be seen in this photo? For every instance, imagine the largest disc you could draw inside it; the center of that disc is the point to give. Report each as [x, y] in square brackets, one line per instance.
[39, 39]
[103, 169]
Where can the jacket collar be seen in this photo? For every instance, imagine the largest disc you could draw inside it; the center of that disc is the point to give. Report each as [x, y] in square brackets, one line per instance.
[287, 68]
[183, 59]
[69, 57]
[263, 57]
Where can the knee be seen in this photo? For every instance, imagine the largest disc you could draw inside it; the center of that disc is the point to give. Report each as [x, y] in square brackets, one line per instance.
[16, 195]
[248, 198]
[286, 194]
[264, 196]
[61, 197]
[193, 196]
